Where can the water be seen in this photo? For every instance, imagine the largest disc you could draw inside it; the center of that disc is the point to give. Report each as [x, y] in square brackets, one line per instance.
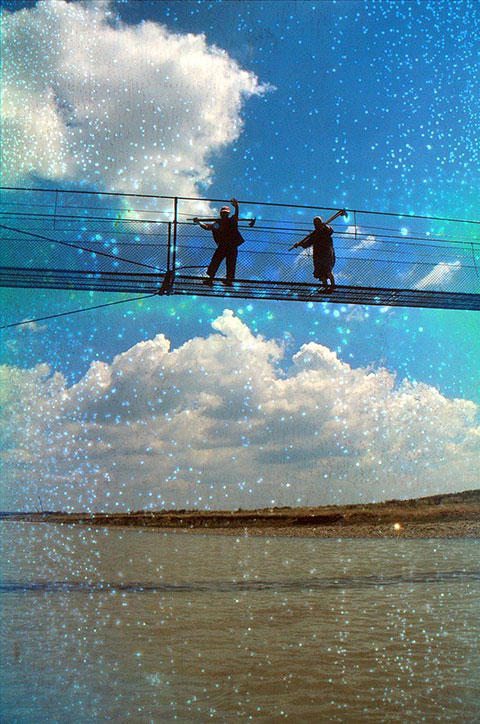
[141, 626]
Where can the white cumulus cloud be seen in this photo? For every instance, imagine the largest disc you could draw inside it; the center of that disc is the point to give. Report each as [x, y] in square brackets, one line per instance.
[131, 108]
[217, 423]
[442, 273]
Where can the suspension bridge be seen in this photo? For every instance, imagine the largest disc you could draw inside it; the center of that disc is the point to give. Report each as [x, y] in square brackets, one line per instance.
[114, 242]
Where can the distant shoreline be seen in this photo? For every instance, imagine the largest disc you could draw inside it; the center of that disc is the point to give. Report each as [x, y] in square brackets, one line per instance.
[455, 515]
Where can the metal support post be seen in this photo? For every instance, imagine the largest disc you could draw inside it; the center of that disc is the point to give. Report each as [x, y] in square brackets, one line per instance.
[169, 242]
[474, 260]
[167, 282]
[169, 278]
[174, 237]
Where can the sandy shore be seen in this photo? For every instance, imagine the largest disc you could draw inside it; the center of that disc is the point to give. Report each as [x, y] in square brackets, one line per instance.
[455, 515]
[441, 530]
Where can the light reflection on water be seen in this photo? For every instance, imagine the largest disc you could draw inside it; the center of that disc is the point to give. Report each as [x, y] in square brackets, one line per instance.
[112, 625]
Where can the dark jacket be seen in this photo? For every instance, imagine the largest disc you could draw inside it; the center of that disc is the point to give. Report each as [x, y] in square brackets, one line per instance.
[225, 232]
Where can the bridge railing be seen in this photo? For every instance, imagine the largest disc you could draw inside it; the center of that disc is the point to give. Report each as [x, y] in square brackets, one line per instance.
[362, 260]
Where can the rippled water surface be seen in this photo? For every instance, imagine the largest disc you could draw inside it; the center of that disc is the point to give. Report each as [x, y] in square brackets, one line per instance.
[141, 626]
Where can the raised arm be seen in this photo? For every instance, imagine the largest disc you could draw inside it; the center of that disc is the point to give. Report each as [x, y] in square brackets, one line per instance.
[234, 203]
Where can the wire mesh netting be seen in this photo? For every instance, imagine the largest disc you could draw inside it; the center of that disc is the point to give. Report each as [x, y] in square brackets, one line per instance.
[81, 243]
[115, 242]
[362, 259]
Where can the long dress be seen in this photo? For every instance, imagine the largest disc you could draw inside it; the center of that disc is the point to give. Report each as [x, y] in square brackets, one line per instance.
[323, 252]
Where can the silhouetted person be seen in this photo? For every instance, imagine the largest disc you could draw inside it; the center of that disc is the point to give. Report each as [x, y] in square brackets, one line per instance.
[227, 238]
[323, 253]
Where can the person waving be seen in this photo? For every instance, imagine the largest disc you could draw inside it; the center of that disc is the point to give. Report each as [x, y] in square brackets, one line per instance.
[227, 238]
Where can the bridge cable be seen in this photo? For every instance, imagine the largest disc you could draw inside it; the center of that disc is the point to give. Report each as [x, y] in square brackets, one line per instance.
[244, 202]
[76, 311]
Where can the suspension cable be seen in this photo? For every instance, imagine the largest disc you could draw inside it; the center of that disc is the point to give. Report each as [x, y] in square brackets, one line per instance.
[397, 215]
[76, 311]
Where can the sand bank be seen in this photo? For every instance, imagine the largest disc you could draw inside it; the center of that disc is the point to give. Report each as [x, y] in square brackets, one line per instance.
[455, 515]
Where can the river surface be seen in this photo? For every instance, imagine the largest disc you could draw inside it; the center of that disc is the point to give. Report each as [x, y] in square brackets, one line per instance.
[144, 626]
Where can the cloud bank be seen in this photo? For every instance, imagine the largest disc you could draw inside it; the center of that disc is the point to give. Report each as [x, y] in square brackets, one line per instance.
[216, 423]
[130, 108]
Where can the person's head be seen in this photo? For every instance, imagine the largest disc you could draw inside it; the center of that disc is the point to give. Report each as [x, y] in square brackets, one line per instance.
[224, 212]
[317, 222]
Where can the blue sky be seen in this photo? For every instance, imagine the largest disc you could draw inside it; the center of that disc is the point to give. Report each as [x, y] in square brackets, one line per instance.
[359, 104]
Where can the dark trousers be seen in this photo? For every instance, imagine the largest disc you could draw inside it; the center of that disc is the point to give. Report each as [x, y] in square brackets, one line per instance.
[229, 253]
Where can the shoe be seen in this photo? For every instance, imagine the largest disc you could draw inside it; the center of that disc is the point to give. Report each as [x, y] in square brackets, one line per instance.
[227, 282]
[208, 281]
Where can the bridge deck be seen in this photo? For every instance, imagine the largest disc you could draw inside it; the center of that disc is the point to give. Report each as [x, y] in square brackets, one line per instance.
[242, 288]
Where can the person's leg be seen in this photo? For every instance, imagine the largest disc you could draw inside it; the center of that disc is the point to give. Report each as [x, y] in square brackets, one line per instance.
[218, 256]
[230, 263]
